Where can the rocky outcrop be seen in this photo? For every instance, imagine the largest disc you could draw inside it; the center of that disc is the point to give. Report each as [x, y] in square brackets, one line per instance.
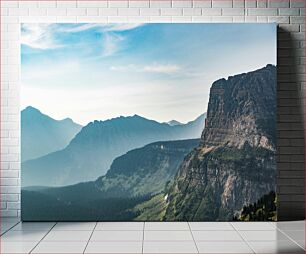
[235, 163]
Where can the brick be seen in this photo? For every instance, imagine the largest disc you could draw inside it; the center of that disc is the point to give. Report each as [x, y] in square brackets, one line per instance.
[9, 213]
[279, 19]
[13, 205]
[297, 20]
[278, 3]
[66, 4]
[57, 12]
[28, 4]
[181, 19]
[211, 11]
[262, 12]
[159, 19]
[289, 11]
[250, 19]
[47, 4]
[233, 12]
[92, 4]
[4, 11]
[92, 11]
[38, 11]
[2, 205]
[160, 4]
[150, 11]
[192, 11]
[117, 19]
[238, 3]
[262, 3]
[8, 181]
[9, 4]
[76, 11]
[222, 19]
[181, 3]
[108, 11]
[297, 3]
[139, 4]
[18, 12]
[128, 12]
[118, 4]
[222, 3]
[139, 19]
[238, 19]
[201, 19]
[202, 3]
[250, 3]
[10, 173]
[171, 11]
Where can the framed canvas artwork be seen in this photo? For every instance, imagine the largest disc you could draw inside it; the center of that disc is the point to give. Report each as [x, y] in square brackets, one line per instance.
[148, 122]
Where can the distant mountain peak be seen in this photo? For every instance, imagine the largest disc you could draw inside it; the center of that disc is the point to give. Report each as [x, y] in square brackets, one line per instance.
[31, 109]
[174, 122]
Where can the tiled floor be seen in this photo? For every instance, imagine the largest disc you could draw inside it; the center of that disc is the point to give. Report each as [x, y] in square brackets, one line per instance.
[152, 237]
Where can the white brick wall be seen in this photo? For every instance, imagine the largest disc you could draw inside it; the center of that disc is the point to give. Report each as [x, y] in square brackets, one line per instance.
[289, 13]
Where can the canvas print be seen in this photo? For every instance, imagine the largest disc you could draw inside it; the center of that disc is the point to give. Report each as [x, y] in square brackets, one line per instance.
[148, 122]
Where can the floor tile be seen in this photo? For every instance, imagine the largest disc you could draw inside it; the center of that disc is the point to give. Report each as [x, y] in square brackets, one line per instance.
[290, 225]
[17, 247]
[23, 236]
[211, 226]
[5, 226]
[120, 226]
[297, 236]
[166, 226]
[63, 226]
[253, 225]
[216, 236]
[69, 236]
[276, 247]
[168, 236]
[169, 247]
[106, 236]
[265, 235]
[33, 226]
[223, 247]
[114, 247]
[60, 247]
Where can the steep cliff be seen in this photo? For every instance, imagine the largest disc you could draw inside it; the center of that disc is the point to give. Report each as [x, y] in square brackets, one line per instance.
[235, 163]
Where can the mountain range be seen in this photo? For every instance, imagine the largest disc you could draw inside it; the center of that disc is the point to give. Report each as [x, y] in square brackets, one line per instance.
[132, 178]
[41, 134]
[91, 152]
[214, 178]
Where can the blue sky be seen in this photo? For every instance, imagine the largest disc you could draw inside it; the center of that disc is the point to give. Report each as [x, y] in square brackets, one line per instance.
[160, 71]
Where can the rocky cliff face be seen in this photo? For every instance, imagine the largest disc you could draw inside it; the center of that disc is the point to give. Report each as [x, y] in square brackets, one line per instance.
[235, 163]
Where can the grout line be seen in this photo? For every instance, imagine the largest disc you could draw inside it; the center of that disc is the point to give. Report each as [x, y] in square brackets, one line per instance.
[14, 225]
[43, 238]
[90, 236]
[143, 232]
[290, 238]
[247, 243]
[193, 237]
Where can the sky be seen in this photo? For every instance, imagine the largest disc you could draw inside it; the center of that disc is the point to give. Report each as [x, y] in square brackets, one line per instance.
[159, 71]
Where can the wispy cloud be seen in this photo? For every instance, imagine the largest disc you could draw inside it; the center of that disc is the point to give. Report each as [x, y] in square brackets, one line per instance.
[39, 36]
[44, 36]
[152, 68]
[116, 27]
[111, 44]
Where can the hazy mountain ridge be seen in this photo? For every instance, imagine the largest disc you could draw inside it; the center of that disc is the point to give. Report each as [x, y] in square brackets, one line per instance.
[91, 152]
[41, 134]
[132, 179]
